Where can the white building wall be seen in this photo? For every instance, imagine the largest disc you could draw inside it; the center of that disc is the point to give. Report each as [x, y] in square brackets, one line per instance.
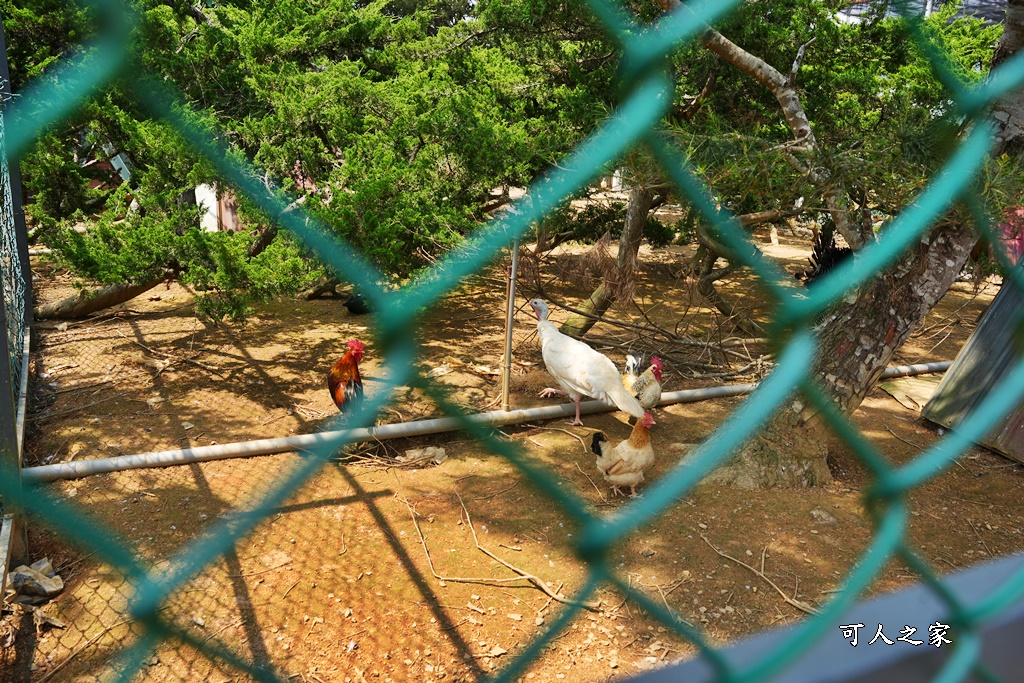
[206, 200]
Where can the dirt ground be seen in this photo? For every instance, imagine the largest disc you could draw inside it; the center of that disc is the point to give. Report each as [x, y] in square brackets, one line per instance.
[362, 574]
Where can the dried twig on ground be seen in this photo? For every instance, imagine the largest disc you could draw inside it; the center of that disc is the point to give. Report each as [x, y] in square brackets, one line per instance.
[976, 533]
[522, 575]
[536, 581]
[599, 492]
[88, 643]
[40, 418]
[575, 436]
[799, 604]
[497, 493]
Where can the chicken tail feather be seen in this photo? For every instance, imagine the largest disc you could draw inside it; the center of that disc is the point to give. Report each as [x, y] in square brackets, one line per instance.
[626, 403]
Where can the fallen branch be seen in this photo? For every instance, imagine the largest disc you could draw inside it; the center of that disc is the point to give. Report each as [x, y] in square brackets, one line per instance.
[487, 580]
[599, 492]
[90, 301]
[800, 605]
[575, 436]
[536, 581]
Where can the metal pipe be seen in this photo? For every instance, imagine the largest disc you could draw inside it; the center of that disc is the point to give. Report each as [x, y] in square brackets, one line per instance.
[494, 418]
[919, 369]
[506, 372]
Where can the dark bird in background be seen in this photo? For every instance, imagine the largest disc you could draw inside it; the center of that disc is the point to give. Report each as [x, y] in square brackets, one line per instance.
[356, 304]
[343, 380]
[825, 255]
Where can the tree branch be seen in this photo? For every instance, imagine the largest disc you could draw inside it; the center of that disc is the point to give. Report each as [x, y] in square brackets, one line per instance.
[796, 62]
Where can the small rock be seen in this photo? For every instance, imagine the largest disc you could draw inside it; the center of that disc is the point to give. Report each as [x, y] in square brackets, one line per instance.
[432, 454]
[187, 425]
[822, 517]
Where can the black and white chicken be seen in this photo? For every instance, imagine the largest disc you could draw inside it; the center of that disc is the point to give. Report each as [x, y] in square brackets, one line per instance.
[646, 386]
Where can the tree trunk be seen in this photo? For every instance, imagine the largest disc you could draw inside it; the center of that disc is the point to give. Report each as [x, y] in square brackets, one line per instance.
[861, 336]
[87, 302]
[1008, 113]
[707, 275]
[641, 199]
[262, 241]
[856, 343]
[326, 285]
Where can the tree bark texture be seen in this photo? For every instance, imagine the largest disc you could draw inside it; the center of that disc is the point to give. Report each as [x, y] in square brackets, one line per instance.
[641, 199]
[856, 343]
[862, 333]
[87, 302]
[1008, 113]
[263, 240]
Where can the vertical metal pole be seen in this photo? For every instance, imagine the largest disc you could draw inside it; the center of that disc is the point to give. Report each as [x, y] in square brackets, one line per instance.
[506, 372]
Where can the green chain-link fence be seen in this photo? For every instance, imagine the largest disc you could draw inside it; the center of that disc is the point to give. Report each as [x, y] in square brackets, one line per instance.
[643, 75]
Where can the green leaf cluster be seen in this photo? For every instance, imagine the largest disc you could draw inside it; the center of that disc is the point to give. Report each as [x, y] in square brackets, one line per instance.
[397, 120]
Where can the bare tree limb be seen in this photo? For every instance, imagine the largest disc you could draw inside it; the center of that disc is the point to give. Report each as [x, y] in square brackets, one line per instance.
[796, 62]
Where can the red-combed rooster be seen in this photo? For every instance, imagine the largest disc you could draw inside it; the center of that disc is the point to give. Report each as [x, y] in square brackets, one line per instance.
[344, 381]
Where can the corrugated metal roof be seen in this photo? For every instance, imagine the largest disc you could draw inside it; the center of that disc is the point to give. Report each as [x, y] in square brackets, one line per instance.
[980, 365]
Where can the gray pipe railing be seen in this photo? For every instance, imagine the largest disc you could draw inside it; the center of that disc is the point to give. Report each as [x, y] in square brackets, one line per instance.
[495, 418]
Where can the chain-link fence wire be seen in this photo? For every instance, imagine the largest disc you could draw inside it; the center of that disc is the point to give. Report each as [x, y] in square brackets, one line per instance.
[154, 591]
[155, 353]
[14, 288]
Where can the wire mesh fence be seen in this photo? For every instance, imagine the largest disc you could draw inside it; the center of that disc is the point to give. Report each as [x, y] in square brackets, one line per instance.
[15, 289]
[215, 596]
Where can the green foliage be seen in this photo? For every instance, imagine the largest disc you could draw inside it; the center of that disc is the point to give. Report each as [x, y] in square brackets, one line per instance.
[876, 107]
[41, 32]
[657, 233]
[589, 224]
[57, 184]
[396, 120]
